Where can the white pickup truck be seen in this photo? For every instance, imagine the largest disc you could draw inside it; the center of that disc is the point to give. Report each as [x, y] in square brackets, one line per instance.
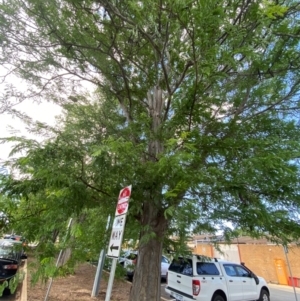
[200, 278]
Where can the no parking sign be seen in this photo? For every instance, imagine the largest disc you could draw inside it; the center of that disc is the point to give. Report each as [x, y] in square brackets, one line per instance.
[116, 237]
[123, 201]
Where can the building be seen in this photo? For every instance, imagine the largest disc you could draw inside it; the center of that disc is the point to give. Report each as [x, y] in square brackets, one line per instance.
[264, 258]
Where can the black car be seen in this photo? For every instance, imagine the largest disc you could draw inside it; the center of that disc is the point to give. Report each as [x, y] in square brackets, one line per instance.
[11, 255]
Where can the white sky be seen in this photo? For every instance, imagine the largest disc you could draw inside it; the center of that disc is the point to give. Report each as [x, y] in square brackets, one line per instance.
[44, 112]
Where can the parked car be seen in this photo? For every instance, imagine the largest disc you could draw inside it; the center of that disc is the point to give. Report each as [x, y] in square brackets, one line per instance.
[16, 237]
[200, 278]
[11, 255]
[129, 259]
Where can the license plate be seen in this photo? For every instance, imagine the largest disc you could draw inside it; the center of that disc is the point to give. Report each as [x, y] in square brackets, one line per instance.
[177, 296]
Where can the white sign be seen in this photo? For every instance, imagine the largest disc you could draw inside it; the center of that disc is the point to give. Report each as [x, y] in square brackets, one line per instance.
[116, 237]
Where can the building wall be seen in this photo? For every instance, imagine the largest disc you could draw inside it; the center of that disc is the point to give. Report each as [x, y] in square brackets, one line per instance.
[268, 261]
[261, 260]
[227, 252]
[206, 250]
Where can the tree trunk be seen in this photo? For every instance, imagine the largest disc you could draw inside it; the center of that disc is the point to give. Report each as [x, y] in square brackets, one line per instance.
[147, 281]
[147, 275]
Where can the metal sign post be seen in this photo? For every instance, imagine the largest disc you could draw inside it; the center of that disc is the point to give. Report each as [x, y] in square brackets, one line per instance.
[111, 279]
[100, 265]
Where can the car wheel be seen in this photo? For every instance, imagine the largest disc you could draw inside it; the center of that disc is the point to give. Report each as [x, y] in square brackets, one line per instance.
[130, 278]
[218, 298]
[264, 295]
[6, 291]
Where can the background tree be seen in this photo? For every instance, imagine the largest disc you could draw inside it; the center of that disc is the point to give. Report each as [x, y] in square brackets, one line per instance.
[60, 179]
[205, 94]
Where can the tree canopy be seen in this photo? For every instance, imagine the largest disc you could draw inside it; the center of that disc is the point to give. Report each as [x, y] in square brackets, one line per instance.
[196, 106]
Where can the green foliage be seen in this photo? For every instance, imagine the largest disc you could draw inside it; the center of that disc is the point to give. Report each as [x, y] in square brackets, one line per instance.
[274, 11]
[196, 107]
[42, 270]
[2, 287]
[15, 281]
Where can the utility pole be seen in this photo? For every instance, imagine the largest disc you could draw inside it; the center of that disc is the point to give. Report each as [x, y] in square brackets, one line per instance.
[286, 250]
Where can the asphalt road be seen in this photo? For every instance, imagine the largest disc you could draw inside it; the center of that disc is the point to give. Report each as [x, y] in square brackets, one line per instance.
[283, 293]
[278, 293]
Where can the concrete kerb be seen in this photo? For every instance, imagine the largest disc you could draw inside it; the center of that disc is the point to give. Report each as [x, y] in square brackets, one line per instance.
[23, 294]
[286, 288]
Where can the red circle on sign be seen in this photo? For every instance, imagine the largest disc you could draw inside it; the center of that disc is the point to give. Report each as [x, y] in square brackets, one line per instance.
[122, 207]
[124, 193]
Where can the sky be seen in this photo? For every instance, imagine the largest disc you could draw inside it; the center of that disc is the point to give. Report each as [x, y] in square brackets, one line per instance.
[44, 112]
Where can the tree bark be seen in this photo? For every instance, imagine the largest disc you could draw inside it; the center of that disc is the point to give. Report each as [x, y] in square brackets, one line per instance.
[147, 276]
[147, 280]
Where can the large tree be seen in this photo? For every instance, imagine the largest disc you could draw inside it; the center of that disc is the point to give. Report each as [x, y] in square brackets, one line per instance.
[202, 96]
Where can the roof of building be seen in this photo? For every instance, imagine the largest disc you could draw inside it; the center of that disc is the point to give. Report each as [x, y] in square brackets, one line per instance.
[220, 239]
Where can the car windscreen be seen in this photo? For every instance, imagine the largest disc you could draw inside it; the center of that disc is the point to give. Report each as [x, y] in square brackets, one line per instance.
[10, 249]
[6, 251]
[164, 259]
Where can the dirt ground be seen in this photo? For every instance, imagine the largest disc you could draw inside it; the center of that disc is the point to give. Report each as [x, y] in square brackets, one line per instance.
[78, 287]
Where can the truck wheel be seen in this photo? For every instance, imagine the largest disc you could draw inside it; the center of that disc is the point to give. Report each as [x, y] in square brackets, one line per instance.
[264, 295]
[218, 298]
